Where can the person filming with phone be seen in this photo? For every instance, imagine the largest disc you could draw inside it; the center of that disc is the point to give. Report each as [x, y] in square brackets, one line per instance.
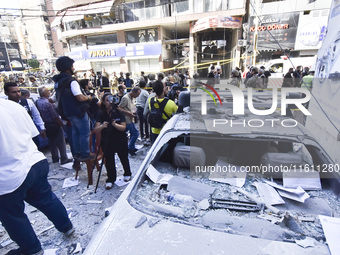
[112, 124]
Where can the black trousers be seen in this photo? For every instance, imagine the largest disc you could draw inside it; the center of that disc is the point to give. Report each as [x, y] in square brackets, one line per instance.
[119, 146]
[143, 123]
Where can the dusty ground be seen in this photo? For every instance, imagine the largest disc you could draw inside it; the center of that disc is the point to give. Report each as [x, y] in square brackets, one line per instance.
[86, 216]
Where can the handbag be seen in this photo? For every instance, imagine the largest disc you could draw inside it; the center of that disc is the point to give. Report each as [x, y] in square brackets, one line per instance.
[52, 129]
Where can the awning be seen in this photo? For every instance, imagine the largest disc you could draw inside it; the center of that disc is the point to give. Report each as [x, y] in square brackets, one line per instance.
[77, 13]
[216, 21]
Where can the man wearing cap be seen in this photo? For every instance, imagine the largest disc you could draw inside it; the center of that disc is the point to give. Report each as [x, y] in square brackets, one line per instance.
[73, 104]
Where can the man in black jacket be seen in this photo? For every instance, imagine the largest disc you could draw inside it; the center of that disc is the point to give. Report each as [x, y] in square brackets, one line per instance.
[103, 82]
[73, 105]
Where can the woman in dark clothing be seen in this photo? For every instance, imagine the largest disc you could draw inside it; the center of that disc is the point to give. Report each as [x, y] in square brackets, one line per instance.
[112, 124]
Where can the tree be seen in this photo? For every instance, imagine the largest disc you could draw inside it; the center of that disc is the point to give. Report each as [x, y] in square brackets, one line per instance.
[33, 63]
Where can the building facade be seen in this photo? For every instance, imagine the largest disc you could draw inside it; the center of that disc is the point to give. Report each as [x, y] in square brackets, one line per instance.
[150, 35]
[290, 27]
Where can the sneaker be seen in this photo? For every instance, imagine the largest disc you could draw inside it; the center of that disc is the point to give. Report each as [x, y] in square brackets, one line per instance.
[69, 232]
[132, 152]
[127, 178]
[108, 185]
[89, 157]
[66, 161]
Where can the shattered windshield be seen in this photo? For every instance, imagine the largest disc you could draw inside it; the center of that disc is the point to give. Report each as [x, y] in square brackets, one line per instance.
[264, 187]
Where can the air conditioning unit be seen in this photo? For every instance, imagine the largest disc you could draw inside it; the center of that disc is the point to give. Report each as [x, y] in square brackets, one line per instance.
[241, 43]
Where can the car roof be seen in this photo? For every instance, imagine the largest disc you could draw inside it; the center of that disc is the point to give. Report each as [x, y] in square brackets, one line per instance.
[194, 123]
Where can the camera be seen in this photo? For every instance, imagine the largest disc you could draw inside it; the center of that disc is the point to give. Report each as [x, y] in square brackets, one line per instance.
[113, 99]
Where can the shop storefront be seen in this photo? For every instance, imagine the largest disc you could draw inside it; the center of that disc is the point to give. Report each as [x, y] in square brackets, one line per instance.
[137, 57]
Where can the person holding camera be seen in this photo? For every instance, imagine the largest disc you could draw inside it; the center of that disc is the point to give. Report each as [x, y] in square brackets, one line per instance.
[112, 124]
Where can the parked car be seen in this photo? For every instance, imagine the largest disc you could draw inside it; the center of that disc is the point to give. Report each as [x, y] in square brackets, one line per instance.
[172, 208]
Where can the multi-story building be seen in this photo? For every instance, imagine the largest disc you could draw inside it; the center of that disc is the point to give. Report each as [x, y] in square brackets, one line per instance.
[289, 27]
[36, 34]
[10, 58]
[150, 35]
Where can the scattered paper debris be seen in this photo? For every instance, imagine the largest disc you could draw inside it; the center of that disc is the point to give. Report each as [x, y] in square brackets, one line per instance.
[268, 194]
[141, 221]
[94, 201]
[5, 243]
[139, 146]
[204, 204]
[307, 180]
[67, 165]
[88, 192]
[235, 177]
[153, 222]
[331, 228]
[308, 242]
[157, 177]
[70, 182]
[51, 252]
[297, 194]
[306, 219]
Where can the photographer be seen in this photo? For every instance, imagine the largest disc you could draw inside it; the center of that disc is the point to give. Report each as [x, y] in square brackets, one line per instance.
[112, 124]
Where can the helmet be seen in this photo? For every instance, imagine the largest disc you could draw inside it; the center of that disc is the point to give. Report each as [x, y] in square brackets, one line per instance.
[255, 69]
[64, 63]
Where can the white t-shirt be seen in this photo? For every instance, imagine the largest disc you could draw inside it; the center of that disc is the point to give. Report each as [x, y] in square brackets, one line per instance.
[18, 152]
[75, 88]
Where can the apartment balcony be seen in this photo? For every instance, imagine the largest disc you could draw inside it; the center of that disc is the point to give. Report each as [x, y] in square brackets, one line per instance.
[106, 17]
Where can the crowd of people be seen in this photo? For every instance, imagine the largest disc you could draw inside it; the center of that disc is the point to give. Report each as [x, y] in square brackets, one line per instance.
[77, 108]
[81, 108]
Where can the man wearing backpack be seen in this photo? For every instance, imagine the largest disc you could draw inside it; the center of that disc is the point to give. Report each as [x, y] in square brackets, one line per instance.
[161, 110]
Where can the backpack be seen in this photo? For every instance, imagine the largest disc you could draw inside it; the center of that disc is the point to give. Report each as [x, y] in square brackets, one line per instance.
[24, 103]
[155, 119]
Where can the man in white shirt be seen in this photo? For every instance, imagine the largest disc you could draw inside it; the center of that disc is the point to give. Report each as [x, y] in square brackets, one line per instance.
[23, 177]
[13, 93]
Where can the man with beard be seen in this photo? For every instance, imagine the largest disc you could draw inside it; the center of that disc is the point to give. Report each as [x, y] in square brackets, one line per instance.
[73, 105]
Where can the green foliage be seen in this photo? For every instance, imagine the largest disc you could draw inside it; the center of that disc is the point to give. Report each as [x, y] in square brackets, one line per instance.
[33, 63]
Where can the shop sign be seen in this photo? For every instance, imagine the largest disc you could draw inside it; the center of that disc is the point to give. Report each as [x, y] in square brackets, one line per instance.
[102, 53]
[281, 26]
[311, 31]
[128, 51]
[216, 21]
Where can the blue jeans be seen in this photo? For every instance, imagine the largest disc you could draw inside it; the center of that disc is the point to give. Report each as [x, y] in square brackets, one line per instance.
[81, 135]
[36, 191]
[133, 135]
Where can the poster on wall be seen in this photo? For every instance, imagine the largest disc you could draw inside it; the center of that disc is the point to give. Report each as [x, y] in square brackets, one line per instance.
[282, 26]
[311, 30]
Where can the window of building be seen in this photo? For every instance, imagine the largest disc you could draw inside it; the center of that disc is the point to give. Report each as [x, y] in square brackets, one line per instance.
[76, 43]
[13, 53]
[142, 36]
[102, 39]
